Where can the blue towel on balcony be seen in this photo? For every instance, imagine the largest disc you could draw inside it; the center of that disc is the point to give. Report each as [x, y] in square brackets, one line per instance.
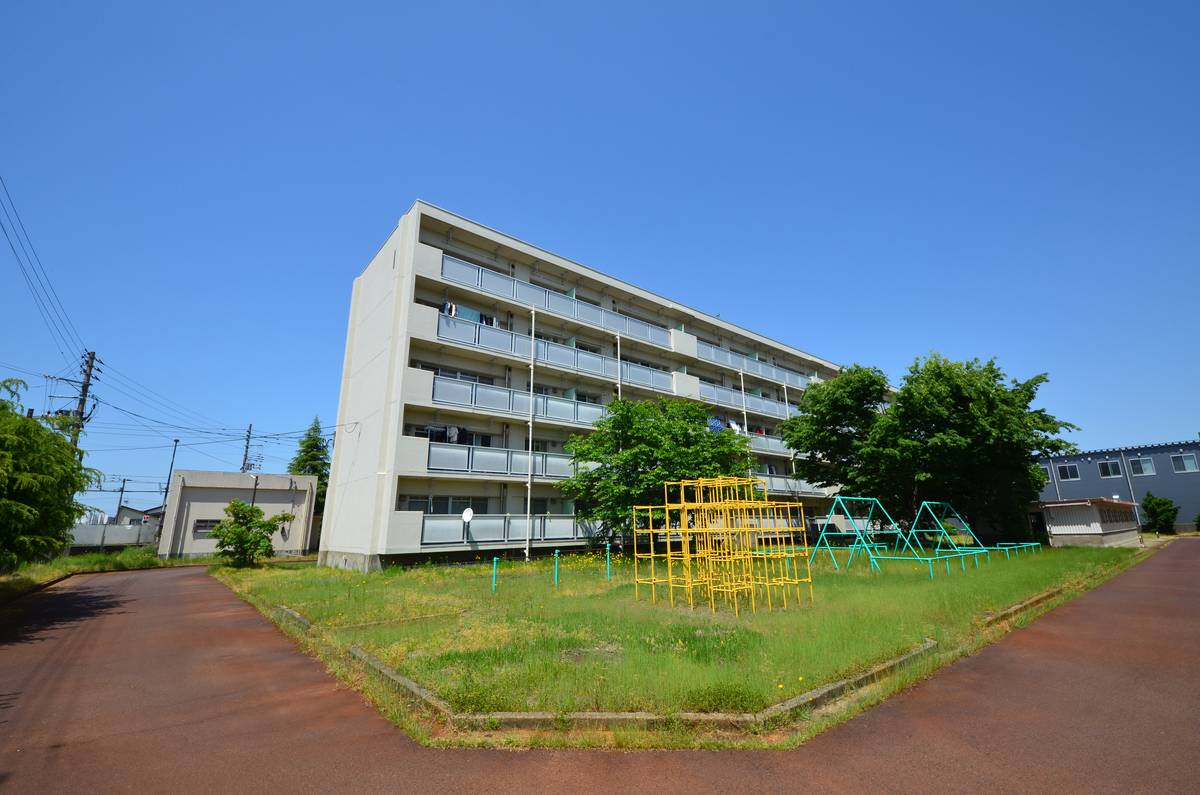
[715, 424]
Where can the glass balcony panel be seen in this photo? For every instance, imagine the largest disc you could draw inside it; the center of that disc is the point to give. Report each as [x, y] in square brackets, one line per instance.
[521, 346]
[484, 527]
[660, 336]
[492, 397]
[635, 373]
[520, 463]
[458, 271]
[589, 313]
[589, 412]
[589, 362]
[450, 390]
[557, 302]
[442, 529]
[449, 456]
[560, 409]
[558, 466]
[530, 294]
[610, 368]
[495, 338]
[636, 328]
[454, 329]
[560, 355]
[614, 321]
[520, 403]
[496, 283]
[558, 526]
[489, 459]
[662, 381]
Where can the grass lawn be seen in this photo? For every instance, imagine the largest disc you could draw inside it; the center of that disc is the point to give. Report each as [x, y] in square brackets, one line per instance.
[32, 575]
[589, 645]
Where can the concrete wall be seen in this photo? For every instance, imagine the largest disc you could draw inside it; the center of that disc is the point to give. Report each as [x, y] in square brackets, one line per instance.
[1182, 488]
[197, 495]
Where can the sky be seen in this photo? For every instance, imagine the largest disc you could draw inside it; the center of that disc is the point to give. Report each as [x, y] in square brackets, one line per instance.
[869, 182]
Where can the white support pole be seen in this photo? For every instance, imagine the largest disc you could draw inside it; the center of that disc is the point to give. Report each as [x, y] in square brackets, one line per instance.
[618, 367]
[745, 421]
[529, 440]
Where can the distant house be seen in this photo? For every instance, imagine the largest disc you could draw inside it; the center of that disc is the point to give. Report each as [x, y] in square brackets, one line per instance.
[1170, 469]
[129, 515]
[1090, 522]
[196, 501]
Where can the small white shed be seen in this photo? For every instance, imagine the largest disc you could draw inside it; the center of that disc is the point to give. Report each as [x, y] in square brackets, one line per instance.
[1094, 522]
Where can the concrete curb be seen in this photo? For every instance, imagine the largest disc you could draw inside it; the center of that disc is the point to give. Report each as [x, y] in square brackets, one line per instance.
[532, 720]
[1020, 607]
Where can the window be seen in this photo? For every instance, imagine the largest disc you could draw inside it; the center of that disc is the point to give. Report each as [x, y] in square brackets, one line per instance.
[587, 397]
[1068, 472]
[587, 346]
[1046, 469]
[1109, 469]
[1141, 466]
[1184, 462]
[539, 506]
[442, 505]
[202, 528]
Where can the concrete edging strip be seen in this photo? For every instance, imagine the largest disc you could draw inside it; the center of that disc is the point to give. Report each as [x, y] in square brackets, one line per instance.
[1021, 607]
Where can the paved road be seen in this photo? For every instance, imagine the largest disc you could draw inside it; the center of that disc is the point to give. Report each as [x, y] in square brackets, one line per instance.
[163, 681]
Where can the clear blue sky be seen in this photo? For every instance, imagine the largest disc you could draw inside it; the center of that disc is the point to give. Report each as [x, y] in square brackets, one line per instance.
[866, 181]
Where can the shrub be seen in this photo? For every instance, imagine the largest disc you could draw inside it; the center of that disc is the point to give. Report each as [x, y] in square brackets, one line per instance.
[1160, 513]
[244, 536]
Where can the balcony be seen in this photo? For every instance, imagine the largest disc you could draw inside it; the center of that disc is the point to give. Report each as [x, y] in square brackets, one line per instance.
[497, 399]
[490, 338]
[737, 361]
[733, 399]
[497, 461]
[782, 484]
[437, 529]
[456, 270]
[768, 444]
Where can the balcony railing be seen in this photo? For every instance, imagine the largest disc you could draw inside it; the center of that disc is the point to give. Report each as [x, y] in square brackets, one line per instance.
[737, 361]
[523, 292]
[466, 332]
[784, 484]
[497, 461]
[733, 398]
[502, 528]
[498, 399]
[768, 444]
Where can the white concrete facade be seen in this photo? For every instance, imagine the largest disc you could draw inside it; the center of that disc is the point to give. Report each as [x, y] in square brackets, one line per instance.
[435, 391]
[1092, 522]
[197, 500]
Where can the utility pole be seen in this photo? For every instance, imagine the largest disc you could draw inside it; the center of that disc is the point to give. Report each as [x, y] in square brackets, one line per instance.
[77, 424]
[246, 451]
[120, 498]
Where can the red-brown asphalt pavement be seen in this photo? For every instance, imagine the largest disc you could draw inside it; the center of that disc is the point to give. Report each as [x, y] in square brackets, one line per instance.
[163, 681]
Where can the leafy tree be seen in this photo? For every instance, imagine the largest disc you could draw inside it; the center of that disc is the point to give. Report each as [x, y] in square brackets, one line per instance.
[244, 536]
[312, 458]
[1161, 513]
[40, 474]
[959, 432]
[636, 447]
[835, 424]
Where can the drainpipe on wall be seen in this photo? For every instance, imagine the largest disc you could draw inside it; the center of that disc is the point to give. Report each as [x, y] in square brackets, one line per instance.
[1129, 482]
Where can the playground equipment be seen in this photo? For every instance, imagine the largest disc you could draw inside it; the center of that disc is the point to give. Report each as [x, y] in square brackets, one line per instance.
[876, 536]
[719, 540]
[934, 516]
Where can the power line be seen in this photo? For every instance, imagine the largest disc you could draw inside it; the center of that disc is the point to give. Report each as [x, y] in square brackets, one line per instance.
[37, 260]
[180, 408]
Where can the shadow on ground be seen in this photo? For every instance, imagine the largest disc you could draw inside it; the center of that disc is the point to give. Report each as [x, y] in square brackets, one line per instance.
[30, 618]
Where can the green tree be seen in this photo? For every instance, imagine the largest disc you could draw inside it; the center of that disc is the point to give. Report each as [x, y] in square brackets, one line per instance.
[40, 476]
[959, 432]
[1161, 513]
[312, 458]
[636, 447]
[244, 536]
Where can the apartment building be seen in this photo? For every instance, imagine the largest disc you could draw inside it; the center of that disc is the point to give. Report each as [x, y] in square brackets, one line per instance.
[459, 335]
[1166, 469]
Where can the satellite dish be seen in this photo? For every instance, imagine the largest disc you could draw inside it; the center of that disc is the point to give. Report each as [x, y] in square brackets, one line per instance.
[468, 515]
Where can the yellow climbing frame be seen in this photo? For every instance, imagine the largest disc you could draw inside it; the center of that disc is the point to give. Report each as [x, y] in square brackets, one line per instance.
[719, 541]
